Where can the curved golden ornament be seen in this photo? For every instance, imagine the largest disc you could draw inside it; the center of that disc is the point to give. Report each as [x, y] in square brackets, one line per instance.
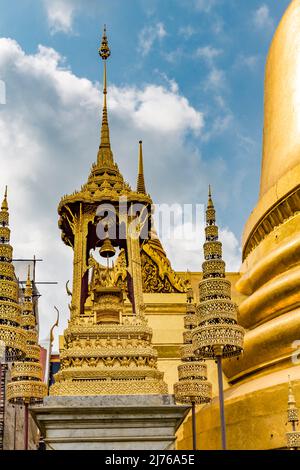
[268, 346]
[279, 295]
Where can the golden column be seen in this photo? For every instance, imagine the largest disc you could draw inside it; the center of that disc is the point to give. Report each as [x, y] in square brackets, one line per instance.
[218, 335]
[193, 387]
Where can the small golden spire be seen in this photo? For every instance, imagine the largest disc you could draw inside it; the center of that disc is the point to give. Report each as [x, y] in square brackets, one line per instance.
[28, 282]
[293, 437]
[210, 209]
[105, 156]
[210, 203]
[291, 397]
[140, 179]
[4, 206]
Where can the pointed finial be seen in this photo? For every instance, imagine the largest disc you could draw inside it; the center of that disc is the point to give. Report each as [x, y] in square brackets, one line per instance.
[28, 282]
[210, 209]
[4, 206]
[141, 188]
[210, 203]
[105, 156]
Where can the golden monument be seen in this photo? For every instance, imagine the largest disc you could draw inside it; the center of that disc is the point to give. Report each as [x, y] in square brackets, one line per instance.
[105, 350]
[127, 318]
[270, 272]
[109, 392]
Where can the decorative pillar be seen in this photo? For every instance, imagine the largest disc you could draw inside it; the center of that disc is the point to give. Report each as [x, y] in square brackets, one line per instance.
[193, 387]
[218, 335]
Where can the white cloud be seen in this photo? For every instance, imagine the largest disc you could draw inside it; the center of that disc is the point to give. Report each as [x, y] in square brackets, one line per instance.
[60, 14]
[205, 5]
[173, 85]
[149, 35]
[155, 108]
[208, 53]
[232, 252]
[262, 18]
[173, 56]
[187, 31]
[216, 79]
[49, 136]
[250, 62]
[185, 246]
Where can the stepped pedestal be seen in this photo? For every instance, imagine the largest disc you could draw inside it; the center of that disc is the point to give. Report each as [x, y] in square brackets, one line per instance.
[115, 422]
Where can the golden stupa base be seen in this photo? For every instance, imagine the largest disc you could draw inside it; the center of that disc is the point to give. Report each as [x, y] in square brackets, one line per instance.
[254, 421]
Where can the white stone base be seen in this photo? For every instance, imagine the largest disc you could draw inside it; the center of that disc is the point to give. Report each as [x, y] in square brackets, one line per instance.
[116, 422]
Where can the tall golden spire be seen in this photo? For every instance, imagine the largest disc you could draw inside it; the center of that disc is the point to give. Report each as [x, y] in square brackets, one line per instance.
[105, 156]
[140, 179]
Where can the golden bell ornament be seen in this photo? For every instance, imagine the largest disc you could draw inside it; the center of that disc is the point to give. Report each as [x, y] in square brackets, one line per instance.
[107, 250]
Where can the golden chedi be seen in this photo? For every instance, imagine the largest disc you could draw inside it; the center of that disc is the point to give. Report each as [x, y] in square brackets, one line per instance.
[11, 333]
[106, 351]
[270, 271]
[193, 386]
[27, 386]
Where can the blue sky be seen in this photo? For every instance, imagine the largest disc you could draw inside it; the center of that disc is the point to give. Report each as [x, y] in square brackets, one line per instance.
[234, 45]
[186, 76]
